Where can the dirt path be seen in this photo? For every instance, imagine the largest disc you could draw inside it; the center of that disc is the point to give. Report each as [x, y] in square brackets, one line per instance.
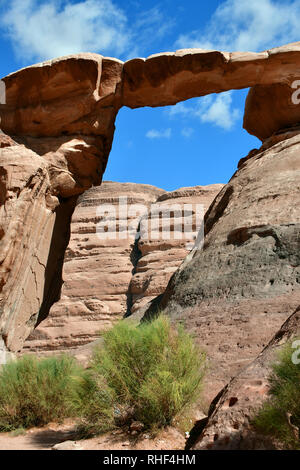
[45, 438]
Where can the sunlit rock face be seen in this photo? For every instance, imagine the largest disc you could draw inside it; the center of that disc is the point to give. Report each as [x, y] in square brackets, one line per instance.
[235, 293]
[97, 270]
[159, 258]
[58, 125]
[59, 145]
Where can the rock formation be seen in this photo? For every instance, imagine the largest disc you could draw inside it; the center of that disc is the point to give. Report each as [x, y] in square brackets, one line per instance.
[96, 272]
[159, 258]
[105, 279]
[236, 292]
[229, 424]
[60, 118]
[57, 150]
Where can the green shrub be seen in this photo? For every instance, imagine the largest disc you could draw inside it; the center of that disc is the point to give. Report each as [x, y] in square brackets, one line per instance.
[35, 391]
[94, 404]
[147, 373]
[151, 372]
[280, 415]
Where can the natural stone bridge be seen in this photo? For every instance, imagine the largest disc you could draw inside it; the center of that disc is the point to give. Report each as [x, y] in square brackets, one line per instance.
[58, 126]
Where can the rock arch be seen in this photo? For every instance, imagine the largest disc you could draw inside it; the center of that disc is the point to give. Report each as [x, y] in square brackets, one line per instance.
[57, 131]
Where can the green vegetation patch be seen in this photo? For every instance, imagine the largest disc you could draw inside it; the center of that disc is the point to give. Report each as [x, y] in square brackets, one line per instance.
[145, 374]
[280, 415]
[35, 391]
[148, 373]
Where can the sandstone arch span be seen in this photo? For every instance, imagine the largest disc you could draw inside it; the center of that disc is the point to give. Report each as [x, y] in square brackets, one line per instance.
[58, 126]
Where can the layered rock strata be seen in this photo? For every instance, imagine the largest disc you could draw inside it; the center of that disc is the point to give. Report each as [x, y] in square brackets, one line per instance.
[97, 269]
[101, 274]
[159, 258]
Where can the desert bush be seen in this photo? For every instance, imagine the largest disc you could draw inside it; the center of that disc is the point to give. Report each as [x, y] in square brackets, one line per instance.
[94, 404]
[153, 371]
[280, 415]
[147, 373]
[36, 391]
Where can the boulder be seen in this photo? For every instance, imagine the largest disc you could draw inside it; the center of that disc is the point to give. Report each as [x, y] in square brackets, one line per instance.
[67, 445]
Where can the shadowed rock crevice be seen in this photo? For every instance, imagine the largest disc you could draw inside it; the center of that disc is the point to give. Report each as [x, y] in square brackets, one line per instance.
[217, 209]
[53, 269]
[135, 256]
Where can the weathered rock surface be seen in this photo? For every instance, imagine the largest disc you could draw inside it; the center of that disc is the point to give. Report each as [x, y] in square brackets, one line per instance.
[160, 258]
[56, 149]
[63, 97]
[270, 109]
[67, 445]
[33, 227]
[101, 277]
[229, 423]
[167, 78]
[236, 292]
[59, 121]
[96, 272]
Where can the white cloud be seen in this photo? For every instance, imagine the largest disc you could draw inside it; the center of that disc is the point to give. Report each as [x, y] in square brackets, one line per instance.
[187, 132]
[247, 25]
[153, 21]
[159, 134]
[179, 108]
[218, 111]
[42, 30]
[214, 109]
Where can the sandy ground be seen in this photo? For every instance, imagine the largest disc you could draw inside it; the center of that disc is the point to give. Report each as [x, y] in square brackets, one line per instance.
[45, 438]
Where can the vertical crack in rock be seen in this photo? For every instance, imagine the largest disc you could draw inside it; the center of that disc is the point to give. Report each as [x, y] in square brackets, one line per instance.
[135, 256]
[53, 269]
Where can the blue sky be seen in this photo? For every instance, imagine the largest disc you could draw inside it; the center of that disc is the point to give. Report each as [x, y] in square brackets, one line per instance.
[197, 142]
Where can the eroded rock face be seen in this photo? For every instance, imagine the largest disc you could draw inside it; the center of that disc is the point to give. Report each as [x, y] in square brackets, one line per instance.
[28, 222]
[229, 423]
[58, 147]
[270, 109]
[160, 258]
[63, 96]
[97, 272]
[236, 292]
[102, 277]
